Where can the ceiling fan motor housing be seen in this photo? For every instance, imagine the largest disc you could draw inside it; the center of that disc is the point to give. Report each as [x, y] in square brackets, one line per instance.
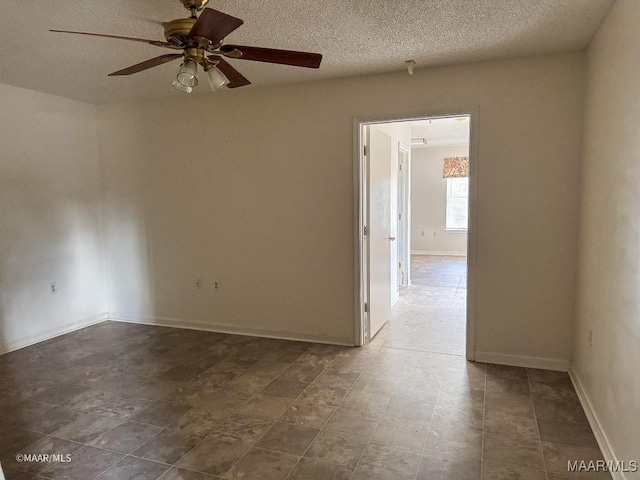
[177, 30]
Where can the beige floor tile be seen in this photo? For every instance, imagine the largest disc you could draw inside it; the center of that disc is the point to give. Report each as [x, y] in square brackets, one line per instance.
[161, 413]
[561, 391]
[460, 397]
[366, 403]
[408, 410]
[52, 420]
[238, 428]
[302, 373]
[200, 420]
[458, 416]
[454, 441]
[268, 369]
[213, 456]
[270, 465]
[337, 376]
[281, 387]
[337, 448]
[501, 449]
[168, 446]
[287, 438]
[316, 359]
[383, 460]
[312, 469]
[265, 406]
[493, 471]
[126, 437]
[87, 428]
[324, 394]
[506, 384]
[248, 384]
[134, 468]
[175, 473]
[568, 410]
[87, 462]
[399, 432]
[557, 456]
[514, 426]
[506, 371]
[568, 433]
[351, 421]
[509, 403]
[307, 414]
[439, 466]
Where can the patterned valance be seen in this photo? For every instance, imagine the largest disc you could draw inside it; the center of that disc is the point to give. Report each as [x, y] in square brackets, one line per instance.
[455, 167]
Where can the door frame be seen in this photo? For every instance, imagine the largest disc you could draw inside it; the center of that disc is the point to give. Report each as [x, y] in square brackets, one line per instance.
[361, 256]
[404, 205]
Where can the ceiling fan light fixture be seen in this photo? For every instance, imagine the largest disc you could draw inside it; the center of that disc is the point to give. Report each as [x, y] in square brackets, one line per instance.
[178, 86]
[202, 34]
[188, 74]
[217, 79]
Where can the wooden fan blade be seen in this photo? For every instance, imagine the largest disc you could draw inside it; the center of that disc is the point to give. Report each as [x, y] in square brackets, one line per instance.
[154, 62]
[236, 79]
[271, 55]
[214, 25]
[157, 43]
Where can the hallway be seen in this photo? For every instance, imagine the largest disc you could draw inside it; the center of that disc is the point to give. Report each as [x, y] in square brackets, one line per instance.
[430, 314]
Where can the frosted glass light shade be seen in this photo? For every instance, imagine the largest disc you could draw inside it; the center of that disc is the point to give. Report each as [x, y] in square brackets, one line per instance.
[178, 86]
[217, 79]
[187, 75]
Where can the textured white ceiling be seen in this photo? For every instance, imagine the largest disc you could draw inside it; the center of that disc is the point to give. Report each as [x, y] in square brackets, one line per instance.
[441, 132]
[356, 37]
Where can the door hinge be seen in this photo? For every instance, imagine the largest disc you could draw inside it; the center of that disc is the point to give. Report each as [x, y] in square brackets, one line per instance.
[400, 165]
[399, 264]
[399, 216]
[366, 230]
[366, 307]
[365, 150]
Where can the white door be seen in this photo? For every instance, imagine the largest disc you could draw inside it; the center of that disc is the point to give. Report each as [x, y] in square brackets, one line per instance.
[379, 224]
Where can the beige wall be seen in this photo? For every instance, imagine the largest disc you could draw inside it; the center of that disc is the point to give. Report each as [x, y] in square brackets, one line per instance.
[260, 199]
[608, 300]
[50, 217]
[429, 202]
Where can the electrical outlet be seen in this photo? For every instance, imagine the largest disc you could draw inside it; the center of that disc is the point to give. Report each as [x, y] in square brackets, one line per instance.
[216, 286]
[591, 337]
[53, 288]
[198, 284]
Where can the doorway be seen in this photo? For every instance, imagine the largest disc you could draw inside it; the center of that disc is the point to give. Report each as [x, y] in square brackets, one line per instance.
[416, 212]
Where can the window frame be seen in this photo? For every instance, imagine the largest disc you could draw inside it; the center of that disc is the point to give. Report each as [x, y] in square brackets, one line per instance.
[446, 207]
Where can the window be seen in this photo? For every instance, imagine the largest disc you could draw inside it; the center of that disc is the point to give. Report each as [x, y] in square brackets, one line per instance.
[457, 203]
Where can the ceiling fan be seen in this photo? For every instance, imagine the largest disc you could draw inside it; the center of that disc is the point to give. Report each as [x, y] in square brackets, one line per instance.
[201, 40]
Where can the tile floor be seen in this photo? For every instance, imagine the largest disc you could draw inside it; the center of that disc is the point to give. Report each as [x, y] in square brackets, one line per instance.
[132, 401]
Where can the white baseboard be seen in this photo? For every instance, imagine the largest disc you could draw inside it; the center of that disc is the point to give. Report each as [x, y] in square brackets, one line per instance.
[594, 422]
[228, 328]
[435, 252]
[557, 364]
[48, 334]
